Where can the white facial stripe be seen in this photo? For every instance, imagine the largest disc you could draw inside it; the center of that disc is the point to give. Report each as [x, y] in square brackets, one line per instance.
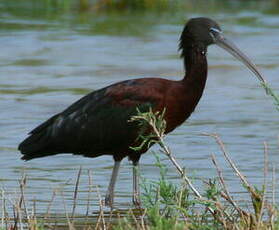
[215, 30]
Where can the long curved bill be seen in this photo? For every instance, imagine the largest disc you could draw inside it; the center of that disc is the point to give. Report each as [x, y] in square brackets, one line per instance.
[226, 44]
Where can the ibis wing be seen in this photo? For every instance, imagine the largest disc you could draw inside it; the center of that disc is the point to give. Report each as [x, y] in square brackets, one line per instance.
[96, 124]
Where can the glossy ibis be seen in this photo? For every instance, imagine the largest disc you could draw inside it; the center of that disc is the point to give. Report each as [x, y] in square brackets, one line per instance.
[97, 124]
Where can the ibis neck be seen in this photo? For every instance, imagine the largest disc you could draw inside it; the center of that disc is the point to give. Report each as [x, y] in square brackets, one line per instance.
[196, 67]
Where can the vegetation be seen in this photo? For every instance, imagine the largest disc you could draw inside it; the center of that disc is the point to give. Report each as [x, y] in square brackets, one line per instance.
[216, 207]
[104, 5]
[166, 205]
[270, 92]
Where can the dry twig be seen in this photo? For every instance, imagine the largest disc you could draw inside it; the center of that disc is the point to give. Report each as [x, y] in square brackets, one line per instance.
[76, 192]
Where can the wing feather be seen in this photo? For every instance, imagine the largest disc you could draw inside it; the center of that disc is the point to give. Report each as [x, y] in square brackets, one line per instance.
[94, 125]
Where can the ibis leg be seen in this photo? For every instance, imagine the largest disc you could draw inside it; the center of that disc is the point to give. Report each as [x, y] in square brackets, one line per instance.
[136, 193]
[110, 192]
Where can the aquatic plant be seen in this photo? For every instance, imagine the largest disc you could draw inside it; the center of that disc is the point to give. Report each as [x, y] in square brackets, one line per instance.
[271, 92]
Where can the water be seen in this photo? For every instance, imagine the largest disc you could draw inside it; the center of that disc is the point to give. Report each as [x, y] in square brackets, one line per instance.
[50, 59]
